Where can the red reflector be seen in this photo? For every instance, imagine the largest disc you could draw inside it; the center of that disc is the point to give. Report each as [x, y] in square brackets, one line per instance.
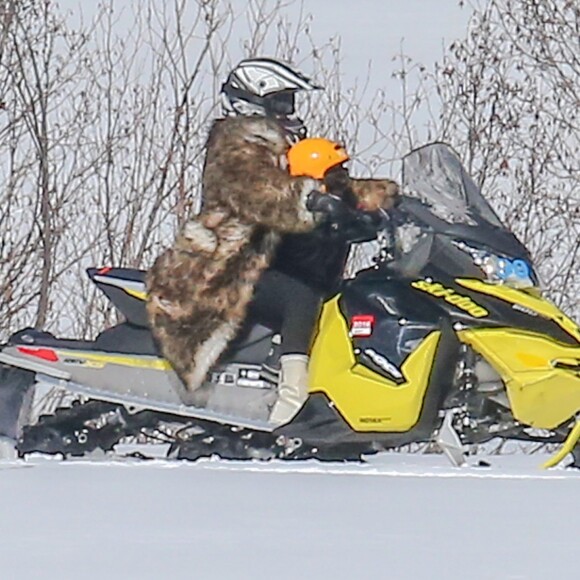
[43, 353]
[362, 325]
[104, 271]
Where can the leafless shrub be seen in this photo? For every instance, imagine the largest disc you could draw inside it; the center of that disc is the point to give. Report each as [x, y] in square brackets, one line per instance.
[102, 137]
[102, 131]
[509, 97]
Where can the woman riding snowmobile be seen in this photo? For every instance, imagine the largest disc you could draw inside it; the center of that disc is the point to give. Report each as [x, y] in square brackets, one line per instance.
[200, 289]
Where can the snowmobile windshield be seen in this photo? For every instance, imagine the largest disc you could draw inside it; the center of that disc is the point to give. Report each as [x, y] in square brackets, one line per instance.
[443, 199]
[435, 175]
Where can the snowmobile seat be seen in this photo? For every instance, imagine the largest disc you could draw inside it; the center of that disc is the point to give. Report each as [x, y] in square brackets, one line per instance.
[126, 289]
[34, 337]
[127, 338]
[251, 346]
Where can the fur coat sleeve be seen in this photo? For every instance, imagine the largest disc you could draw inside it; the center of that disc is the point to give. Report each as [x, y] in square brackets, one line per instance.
[373, 194]
[368, 194]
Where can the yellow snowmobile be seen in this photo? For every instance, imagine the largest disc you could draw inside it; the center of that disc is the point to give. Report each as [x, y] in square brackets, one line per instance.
[446, 337]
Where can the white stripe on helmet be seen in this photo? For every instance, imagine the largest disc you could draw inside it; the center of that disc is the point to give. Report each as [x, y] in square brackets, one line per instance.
[264, 76]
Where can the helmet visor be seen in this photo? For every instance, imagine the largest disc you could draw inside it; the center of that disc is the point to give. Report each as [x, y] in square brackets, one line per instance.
[280, 104]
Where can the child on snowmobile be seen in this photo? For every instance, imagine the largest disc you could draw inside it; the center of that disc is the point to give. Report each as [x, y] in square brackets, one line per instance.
[200, 289]
[316, 259]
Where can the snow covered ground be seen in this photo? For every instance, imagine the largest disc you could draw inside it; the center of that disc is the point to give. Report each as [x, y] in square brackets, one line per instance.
[400, 516]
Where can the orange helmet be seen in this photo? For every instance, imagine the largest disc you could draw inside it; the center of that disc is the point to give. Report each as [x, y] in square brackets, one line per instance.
[314, 157]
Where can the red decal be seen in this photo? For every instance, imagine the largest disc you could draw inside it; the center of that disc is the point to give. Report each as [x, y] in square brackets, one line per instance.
[104, 271]
[43, 353]
[362, 325]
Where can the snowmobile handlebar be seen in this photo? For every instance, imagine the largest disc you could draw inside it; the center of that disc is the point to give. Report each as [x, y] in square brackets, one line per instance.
[338, 211]
[352, 224]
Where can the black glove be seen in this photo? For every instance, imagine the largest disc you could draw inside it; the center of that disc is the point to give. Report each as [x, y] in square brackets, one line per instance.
[327, 204]
[337, 182]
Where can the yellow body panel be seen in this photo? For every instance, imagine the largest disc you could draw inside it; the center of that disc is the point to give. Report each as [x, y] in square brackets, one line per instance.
[542, 375]
[526, 299]
[368, 401]
[540, 394]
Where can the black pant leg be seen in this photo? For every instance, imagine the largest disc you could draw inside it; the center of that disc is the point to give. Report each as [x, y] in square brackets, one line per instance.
[290, 306]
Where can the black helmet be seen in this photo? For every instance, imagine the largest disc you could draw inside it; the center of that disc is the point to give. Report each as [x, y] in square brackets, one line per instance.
[266, 87]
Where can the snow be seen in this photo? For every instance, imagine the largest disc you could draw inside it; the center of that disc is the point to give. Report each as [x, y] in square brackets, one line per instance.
[399, 516]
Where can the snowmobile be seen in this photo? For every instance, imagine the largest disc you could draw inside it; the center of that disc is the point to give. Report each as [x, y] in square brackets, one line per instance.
[445, 338]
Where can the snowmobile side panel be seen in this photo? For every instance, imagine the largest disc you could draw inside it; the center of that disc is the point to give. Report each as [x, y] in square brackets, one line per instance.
[234, 391]
[367, 400]
[12, 358]
[146, 377]
[136, 404]
[542, 376]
